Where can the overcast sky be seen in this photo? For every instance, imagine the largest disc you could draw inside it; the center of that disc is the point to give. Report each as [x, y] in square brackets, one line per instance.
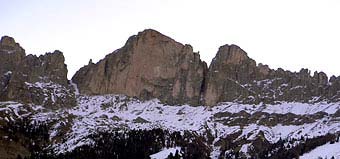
[291, 34]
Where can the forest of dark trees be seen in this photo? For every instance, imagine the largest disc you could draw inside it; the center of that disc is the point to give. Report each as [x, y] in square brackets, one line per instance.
[116, 144]
[33, 135]
[137, 144]
[140, 144]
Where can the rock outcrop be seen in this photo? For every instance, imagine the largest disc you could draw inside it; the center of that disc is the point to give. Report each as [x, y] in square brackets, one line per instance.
[30, 79]
[150, 65]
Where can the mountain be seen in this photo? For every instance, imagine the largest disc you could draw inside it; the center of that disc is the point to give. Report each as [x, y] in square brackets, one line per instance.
[155, 96]
[234, 77]
[30, 79]
[150, 65]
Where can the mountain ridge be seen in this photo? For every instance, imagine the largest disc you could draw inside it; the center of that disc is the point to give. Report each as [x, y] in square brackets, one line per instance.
[153, 65]
[235, 69]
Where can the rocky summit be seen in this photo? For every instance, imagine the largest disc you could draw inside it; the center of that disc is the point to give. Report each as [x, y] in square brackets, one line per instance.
[155, 98]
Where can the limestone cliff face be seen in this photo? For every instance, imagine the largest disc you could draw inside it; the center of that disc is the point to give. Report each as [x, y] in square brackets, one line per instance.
[150, 65]
[30, 79]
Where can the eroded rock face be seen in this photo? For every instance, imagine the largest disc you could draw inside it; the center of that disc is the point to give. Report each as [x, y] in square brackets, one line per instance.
[150, 65]
[30, 79]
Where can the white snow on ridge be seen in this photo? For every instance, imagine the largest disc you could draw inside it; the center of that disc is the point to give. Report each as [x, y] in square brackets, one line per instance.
[283, 108]
[325, 151]
[165, 153]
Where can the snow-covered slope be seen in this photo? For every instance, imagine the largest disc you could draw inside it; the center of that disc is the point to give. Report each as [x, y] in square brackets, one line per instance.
[326, 151]
[165, 153]
[284, 121]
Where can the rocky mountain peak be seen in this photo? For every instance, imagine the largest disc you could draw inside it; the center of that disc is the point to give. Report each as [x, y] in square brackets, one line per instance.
[31, 79]
[150, 34]
[232, 54]
[9, 45]
[150, 65]
[7, 41]
[320, 78]
[147, 35]
[230, 68]
[11, 54]
[264, 69]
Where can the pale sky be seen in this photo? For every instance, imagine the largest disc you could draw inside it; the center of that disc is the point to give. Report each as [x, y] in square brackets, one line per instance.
[291, 34]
